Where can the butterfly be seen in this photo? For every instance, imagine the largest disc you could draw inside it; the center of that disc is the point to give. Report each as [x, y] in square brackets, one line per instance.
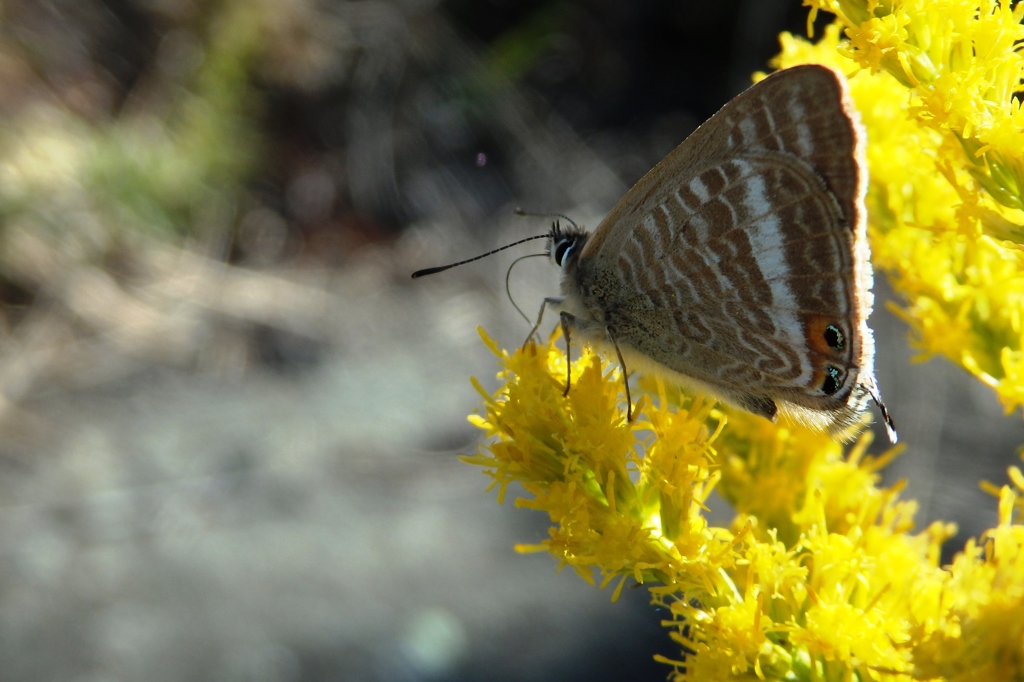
[739, 265]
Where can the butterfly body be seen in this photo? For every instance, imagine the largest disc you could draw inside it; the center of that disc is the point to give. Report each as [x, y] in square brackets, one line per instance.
[739, 264]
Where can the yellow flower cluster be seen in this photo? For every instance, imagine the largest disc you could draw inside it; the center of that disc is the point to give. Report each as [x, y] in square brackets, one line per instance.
[937, 83]
[820, 577]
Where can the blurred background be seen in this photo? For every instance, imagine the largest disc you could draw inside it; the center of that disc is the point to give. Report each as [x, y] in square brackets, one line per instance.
[229, 419]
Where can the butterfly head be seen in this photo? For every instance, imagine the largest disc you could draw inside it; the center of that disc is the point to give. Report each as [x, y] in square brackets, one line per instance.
[565, 244]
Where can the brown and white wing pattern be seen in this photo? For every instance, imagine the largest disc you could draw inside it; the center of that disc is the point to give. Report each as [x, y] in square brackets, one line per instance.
[741, 260]
[747, 282]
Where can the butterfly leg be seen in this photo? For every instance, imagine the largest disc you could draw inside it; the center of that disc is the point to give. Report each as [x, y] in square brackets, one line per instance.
[550, 300]
[625, 377]
[567, 320]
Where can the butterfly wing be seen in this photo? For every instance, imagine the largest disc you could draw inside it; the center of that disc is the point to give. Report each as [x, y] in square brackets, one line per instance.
[749, 290]
[803, 111]
[741, 259]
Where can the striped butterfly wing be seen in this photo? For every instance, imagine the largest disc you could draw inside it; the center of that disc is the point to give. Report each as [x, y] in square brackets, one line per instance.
[741, 259]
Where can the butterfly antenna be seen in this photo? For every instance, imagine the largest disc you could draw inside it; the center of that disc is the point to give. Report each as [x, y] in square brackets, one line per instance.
[508, 291]
[442, 268]
[566, 218]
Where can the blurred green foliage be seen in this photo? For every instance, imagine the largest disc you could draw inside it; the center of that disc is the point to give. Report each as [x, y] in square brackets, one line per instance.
[158, 168]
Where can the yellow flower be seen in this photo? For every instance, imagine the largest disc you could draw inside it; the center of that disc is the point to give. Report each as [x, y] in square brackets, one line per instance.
[981, 635]
[821, 575]
[577, 456]
[854, 591]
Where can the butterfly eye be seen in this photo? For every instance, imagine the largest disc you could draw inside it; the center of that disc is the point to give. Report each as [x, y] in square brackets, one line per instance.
[563, 249]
